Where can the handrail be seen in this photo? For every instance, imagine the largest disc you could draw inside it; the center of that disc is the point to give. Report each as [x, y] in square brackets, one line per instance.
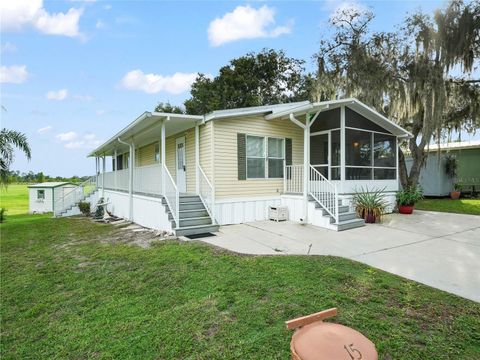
[173, 204]
[323, 191]
[207, 195]
[73, 196]
[293, 179]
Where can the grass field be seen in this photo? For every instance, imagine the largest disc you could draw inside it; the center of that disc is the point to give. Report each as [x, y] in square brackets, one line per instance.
[70, 291]
[14, 198]
[461, 206]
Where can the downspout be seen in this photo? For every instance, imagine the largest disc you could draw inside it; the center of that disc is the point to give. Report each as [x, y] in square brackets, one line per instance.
[306, 162]
[130, 180]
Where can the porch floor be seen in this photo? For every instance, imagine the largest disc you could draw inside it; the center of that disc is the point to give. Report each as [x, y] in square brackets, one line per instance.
[436, 249]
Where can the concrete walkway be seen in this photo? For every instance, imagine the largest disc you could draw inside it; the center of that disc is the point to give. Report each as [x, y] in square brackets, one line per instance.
[437, 249]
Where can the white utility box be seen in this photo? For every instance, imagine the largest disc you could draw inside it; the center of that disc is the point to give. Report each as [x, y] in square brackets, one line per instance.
[278, 213]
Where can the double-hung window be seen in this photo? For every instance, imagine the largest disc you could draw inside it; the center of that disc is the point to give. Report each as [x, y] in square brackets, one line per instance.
[40, 194]
[265, 157]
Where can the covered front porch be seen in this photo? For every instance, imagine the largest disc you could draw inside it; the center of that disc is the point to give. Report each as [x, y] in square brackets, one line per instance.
[157, 156]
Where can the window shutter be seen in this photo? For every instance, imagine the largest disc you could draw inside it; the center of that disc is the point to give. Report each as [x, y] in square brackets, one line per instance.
[241, 157]
[288, 152]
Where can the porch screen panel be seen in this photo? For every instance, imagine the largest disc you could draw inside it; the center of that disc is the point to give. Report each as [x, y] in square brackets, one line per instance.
[327, 120]
[255, 157]
[319, 153]
[335, 149]
[384, 151]
[276, 156]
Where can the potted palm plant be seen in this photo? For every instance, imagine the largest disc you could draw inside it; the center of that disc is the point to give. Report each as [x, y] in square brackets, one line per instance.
[451, 167]
[370, 205]
[407, 197]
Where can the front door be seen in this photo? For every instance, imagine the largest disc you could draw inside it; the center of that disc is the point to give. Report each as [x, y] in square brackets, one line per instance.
[181, 174]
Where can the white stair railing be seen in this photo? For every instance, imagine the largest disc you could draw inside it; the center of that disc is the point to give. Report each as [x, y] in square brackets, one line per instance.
[207, 193]
[72, 196]
[293, 179]
[323, 191]
[171, 195]
[148, 179]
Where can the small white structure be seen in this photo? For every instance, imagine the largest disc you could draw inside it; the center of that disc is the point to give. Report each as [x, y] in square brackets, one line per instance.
[42, 196]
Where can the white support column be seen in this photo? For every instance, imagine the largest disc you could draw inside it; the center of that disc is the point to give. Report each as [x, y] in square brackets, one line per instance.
[197, 159]
[131, 164]
[306, 166]
[116, 169]
[103, 175]
[96, 171]
[163, 156]
[342, 146]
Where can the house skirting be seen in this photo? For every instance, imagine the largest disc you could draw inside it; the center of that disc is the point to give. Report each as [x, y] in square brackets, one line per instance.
[147, 211]
[241, 210]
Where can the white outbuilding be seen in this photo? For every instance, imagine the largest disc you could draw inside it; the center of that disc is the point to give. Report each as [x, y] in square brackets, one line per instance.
[42, 196]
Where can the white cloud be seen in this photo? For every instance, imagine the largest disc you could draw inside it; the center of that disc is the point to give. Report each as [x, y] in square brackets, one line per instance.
[15, 74]
[339, 9]
[57, 95]
[153, 83]
[68, 136]
[8, 47]
[100, 24]
[88, 141]
[18, 14]
[107, 7]
[101, 112]
[44, 130]
[245, 22]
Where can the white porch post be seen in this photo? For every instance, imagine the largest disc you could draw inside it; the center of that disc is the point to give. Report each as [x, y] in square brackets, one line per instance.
[116, 169]
[306, 166]
[131, 164]
[163, 156]
[342, 145]
[197, 159]
[96, 171]
[103, 175]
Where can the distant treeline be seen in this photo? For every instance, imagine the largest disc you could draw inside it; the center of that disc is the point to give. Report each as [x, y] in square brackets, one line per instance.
[31, 177]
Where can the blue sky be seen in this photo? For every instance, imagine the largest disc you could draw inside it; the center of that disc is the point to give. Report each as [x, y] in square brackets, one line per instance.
[75, 72]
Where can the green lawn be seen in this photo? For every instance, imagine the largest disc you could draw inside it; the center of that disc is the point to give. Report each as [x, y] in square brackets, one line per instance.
[461, 206]
[14, 198]
[70, 292]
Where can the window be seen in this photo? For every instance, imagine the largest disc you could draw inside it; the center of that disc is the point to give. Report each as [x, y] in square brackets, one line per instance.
[40, 194]
[255, 157]
[126, 160]
[265, 157]
[370, 155]
[276, 155]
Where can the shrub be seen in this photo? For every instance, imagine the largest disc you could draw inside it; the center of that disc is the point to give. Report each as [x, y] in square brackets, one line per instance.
[370, 204]
[3, 214]
[409, 196]
[84, 207]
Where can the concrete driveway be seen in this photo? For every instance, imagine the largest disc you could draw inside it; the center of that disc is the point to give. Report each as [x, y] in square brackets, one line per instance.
[437, 249]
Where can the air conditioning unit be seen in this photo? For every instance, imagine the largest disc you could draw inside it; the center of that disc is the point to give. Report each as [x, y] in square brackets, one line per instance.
[278, 213]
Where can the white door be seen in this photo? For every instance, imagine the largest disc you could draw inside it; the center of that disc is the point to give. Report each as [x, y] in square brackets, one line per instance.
[181, 175]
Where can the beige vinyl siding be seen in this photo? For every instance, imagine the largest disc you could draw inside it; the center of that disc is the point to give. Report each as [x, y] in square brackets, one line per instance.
[145, 155]
[206, 149]
[227, 184]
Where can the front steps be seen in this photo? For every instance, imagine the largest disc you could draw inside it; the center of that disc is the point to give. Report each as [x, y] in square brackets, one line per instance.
[74, 210]
[194, 217]
[346, 219]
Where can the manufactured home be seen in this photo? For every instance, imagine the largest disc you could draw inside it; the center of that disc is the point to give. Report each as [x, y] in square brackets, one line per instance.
[190, 174]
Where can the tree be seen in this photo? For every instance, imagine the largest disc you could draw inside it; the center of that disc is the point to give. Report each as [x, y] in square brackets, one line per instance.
[40, 177]
[407, 75]
[10, 139]
[168, 108]
[268, 77]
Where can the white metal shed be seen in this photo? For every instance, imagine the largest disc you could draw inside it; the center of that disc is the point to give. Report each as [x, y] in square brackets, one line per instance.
[43, 195]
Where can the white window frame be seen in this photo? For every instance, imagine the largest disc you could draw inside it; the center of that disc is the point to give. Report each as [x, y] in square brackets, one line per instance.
[265, 156]
[38, 193]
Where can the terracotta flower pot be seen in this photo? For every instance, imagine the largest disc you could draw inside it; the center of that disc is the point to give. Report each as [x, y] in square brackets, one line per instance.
[455, 195]
[405, 209]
